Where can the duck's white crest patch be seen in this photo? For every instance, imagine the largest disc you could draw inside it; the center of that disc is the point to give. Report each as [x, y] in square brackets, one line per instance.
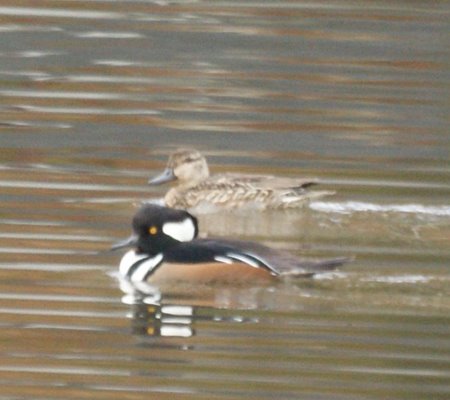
[183, 231]
[145, 267]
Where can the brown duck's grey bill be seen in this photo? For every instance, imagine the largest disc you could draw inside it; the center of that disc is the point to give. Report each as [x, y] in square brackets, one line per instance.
[128, 242]
[166, 176]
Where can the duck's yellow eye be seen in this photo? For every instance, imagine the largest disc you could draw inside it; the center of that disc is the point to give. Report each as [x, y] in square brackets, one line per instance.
[153, 230]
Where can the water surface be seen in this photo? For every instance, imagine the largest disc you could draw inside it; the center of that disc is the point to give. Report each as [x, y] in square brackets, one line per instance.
[93, 97]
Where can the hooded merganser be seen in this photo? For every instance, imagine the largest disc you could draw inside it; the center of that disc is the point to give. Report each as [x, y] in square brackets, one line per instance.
[196, 186]
[166, 249]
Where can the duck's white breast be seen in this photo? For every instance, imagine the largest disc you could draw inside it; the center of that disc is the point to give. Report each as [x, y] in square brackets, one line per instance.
[137, 267]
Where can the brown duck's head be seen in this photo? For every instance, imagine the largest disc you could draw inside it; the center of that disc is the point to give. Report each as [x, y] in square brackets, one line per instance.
[187, 166]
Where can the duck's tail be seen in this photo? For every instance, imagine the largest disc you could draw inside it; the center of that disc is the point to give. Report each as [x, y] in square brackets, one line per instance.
[307, 268]
[299, 199]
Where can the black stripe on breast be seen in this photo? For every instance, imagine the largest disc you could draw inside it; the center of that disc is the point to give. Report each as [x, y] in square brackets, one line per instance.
[151, 268]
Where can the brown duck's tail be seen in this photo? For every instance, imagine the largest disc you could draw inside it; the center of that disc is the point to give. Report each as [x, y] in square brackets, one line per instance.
[301, 198]
[309, 184]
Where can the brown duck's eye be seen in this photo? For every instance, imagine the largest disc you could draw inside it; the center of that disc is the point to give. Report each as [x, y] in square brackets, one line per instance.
[153, 230]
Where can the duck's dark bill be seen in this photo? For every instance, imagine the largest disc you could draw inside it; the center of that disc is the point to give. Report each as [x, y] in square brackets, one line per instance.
[128, 242]
[166, 176]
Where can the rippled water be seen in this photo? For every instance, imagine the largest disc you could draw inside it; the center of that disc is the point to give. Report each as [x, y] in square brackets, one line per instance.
[94, 95]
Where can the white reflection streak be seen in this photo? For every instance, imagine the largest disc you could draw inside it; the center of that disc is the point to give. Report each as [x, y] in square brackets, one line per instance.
[64, 370]
[58, 13]
[61, 95]
[33, 266]
[355, 206]
[57, 298]
[59, 237]
[121, 79]
[61, 313]
[21, 250]
[397, 371]
[90, 110]
[69, 186]
[176, 331]
[413, 279]
[108, 35]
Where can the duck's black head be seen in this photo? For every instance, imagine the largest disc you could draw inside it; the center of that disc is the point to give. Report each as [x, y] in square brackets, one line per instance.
[158, 228]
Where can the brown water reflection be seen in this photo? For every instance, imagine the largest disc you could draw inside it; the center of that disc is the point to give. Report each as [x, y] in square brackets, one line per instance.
[94, 95]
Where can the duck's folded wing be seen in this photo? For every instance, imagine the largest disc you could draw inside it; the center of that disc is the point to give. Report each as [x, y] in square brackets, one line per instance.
[266, 182]
[252, 254]
[283, 263]
[207, 250]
